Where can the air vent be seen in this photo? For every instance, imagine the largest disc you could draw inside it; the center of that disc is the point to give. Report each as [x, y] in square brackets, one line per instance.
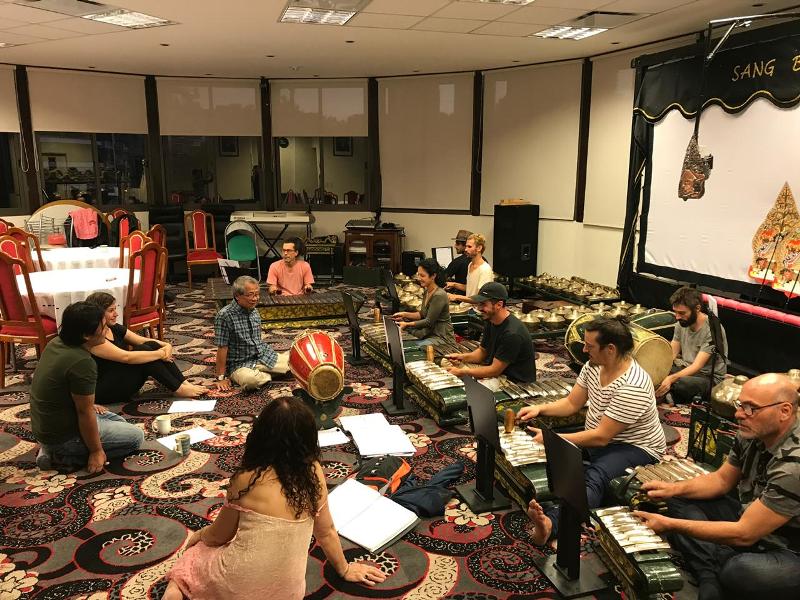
[598, 19]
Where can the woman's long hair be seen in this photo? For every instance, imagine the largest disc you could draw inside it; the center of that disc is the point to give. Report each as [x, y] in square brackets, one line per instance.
[284, 437]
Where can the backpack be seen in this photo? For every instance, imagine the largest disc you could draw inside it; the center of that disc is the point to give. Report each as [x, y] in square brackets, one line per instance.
[383, 473]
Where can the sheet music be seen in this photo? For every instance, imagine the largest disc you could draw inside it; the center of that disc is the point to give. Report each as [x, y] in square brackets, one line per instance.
[385, 440]
[331, 437]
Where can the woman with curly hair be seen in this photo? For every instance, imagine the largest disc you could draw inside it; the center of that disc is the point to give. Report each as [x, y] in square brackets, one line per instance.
[276, 499]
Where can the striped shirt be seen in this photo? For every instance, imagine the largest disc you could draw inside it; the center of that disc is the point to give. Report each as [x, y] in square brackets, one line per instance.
[772, 475]
[629, 399]
[240, 330]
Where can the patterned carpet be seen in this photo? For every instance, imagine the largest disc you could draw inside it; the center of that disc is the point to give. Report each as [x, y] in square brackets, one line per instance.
[115, 535]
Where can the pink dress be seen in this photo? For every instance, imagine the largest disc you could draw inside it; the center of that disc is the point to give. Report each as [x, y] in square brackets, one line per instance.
[267, 558]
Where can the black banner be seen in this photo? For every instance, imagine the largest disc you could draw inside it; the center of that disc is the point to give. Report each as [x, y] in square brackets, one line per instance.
[735, 78]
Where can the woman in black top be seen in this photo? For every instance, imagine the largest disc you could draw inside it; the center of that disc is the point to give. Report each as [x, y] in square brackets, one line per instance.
[121, 372]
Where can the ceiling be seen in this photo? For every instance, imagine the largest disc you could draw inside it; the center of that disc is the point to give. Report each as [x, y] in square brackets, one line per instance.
[233, 38]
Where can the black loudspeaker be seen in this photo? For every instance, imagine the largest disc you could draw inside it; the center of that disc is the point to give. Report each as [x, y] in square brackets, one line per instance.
[409, 261]
[516, 239]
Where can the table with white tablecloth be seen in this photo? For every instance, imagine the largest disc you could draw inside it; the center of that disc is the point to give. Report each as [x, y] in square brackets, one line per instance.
[55, 290]
[81, 258]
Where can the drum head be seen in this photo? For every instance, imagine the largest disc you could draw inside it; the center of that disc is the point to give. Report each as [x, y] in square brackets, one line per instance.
[325, 383]
[573, 339]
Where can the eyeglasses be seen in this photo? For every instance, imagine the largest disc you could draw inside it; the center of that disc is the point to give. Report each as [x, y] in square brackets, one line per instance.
[750, 409]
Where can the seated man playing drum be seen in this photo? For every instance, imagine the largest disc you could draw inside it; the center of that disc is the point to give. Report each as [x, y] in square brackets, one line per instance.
[747, 546]
[622, 425]
[242, 356]
[291, 276]
[506, 347]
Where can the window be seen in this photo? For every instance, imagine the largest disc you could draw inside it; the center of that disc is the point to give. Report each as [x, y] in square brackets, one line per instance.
[107, 169]
[322, 171]
[222, 168]
[11, 180]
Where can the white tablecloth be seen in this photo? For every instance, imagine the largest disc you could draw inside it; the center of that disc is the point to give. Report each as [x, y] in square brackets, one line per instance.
[55, 290]
[81, 258]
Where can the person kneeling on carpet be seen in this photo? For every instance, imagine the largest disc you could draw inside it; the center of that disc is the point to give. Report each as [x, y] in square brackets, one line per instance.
[622, 425]
[120, 372]
[241, 353]
[258, 545]
[71, 429]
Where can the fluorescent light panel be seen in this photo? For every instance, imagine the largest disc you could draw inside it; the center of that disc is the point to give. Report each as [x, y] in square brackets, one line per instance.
[565, 32]
[129, 19]
[513, 2]
[6, 45]
[295, 14]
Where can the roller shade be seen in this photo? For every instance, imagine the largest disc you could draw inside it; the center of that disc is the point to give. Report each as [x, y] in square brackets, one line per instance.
[319, 108]
[9, 121]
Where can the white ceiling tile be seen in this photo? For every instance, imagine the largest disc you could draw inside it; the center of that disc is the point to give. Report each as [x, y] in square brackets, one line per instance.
[512, 29]
[542, 15]
[17, 38]
[449, 25]
[644, 6]
[383, 21]
[9, 23]
[475, 10]
[422, 8]
[28, 15]
[86, 26]
[48, 33]
[584, 5]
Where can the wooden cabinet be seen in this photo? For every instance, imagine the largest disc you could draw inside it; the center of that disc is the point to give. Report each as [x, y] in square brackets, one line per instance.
[374, 248]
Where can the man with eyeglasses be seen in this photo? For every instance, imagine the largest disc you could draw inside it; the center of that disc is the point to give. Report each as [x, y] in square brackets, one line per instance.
[291, 276]
[242, 356]
[748, 547]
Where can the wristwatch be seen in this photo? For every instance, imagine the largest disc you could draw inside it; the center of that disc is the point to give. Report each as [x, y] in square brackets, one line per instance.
[221, 377]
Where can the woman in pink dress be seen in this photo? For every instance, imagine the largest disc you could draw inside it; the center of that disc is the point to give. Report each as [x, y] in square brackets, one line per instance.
[258, 544]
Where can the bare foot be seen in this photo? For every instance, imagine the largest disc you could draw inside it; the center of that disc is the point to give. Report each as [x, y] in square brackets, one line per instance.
[542, 525]
[190, 390]
[173, 592]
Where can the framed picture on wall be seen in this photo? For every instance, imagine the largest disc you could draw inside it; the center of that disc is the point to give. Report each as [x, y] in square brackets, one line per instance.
[229, 146]
[343, 146]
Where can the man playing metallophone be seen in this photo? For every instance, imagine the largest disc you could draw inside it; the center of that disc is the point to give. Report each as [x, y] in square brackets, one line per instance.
[747, 547]
[292, 275]
[241, 353]
[506, 347]
[622, 425]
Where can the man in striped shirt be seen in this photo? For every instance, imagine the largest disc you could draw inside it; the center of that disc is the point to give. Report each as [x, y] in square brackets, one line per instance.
[745, 547]
[622, 426]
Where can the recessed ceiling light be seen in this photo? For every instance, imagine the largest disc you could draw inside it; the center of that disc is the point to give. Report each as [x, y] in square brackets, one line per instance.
[513, 61]
[318, 16]
[514, 2]
[316, 75]
[614, 43]
[91, 67]
[129, 19]
[757, 5]
[165, 45]
[6, 45]
[349, 41]
[415, 71]
[270, 56]
[208, 74]
[565, 32]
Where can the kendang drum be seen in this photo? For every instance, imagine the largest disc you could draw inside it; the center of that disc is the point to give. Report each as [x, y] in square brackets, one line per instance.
[661, 322]
[650, 350]
[317, 362]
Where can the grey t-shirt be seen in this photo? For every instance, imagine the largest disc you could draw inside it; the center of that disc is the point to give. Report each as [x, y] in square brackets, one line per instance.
[693, 342]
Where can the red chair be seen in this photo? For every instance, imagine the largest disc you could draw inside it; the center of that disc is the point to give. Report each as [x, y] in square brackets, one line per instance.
[30, 241]
[158, 234]
[124, 227]
[201, 251]
[132, 243]
[18, 325]
[12, 247]
[5, 226]
[143, 308]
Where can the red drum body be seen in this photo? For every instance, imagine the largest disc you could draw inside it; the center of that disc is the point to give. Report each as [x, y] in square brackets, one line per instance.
[317, 362]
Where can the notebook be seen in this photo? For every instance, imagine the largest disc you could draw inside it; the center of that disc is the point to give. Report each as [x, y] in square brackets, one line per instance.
[367, 518]
[374, 436]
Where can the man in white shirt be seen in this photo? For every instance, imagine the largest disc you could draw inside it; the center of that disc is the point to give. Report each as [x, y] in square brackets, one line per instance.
[479, 271]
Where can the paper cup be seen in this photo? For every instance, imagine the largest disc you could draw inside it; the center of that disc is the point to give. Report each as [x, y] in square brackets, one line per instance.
[162, 424]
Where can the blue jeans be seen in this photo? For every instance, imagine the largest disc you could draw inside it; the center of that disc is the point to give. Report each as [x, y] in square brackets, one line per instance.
[726, 572]
[604, 464]
[117, 436]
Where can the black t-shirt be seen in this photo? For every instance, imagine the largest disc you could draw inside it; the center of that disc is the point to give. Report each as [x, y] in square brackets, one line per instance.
[103, 365]
[511, 343]
[457, 269]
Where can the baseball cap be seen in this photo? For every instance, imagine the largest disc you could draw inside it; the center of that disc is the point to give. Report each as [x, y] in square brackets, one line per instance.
[491, 291]
[462, 235]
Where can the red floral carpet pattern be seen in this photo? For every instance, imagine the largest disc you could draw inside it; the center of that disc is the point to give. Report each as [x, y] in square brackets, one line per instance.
[115, 535]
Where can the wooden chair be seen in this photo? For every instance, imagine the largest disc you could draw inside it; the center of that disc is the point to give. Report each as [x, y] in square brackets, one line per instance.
[124, 227]
[132, 243]
[5, 226]
[158, 233]
[202, 250]
[31, 242]
[144, 306]
[18, 325]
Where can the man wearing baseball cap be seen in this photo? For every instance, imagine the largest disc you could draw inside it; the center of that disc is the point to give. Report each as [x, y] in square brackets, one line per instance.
[506, 346]
[456, 273]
